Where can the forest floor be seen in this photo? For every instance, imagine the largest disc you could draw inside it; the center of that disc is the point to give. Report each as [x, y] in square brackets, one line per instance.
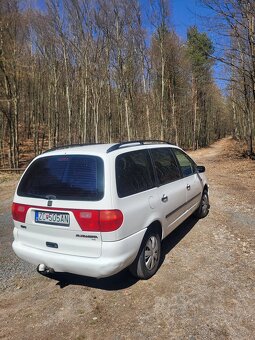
[204, 288]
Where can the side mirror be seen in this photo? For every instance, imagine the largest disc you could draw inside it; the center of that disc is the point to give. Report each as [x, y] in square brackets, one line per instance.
[200, 168]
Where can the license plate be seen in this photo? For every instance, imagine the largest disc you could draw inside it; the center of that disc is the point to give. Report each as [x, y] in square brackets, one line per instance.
[56, 218]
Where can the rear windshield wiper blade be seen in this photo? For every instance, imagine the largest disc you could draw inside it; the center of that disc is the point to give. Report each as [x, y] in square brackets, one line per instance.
[29, 194]
[47, 197]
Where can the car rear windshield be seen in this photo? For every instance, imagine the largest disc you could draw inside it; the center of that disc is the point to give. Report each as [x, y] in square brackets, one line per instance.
[72, 177]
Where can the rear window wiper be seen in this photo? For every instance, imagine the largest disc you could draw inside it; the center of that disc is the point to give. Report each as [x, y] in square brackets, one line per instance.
[29, 194]
[47, 197]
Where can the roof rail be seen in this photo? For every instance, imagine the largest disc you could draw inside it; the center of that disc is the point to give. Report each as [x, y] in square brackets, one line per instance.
[134, 143]
[69, 146]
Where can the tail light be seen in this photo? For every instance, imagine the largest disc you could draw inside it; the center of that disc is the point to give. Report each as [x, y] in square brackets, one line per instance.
[110, 220]
[87, 219]
[19, 212]
[99, 220]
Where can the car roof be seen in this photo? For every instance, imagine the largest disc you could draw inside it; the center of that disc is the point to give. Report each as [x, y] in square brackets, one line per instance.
[103, 149]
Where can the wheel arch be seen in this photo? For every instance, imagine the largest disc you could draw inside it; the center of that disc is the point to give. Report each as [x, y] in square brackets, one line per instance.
[156, 226]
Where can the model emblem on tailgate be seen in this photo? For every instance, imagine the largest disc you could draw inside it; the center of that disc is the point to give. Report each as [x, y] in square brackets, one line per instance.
[93, 237]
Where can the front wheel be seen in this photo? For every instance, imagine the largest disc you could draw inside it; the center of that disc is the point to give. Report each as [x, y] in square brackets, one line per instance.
[147, 261]
[204, 206]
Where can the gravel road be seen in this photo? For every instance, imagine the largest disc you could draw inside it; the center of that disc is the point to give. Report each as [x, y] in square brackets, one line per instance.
[11, 267]
[204, 288]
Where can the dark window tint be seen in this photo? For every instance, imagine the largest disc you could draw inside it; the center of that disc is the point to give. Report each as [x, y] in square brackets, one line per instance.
[64, 177]
[165, 165]
[134, 173]
[186, 163]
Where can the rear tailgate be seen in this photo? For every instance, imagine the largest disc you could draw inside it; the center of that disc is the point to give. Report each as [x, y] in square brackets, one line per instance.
[51, 201]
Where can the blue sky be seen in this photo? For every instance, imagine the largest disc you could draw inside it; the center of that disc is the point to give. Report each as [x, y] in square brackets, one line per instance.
[186, 13]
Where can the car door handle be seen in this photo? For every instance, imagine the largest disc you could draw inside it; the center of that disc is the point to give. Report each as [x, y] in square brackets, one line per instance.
[188, 187]
[164, 198]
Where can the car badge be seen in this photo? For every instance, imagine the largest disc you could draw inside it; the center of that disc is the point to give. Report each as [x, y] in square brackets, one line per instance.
[49, 204]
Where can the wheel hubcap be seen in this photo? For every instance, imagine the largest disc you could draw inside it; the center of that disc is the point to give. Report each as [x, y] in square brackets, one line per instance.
[151, 252]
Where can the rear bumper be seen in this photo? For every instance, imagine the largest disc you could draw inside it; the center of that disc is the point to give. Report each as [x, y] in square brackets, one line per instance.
[115, 257]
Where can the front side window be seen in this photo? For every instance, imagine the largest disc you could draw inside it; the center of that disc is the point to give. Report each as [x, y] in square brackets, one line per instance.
[165, 165]
[134, 173]
[187, 165]
[67, 177]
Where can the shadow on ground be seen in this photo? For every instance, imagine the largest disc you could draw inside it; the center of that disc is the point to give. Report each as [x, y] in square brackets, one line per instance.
[123, 279]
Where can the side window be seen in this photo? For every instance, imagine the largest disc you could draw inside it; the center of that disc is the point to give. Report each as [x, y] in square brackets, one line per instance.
[166, 167]
[187, 165]
[134, 173]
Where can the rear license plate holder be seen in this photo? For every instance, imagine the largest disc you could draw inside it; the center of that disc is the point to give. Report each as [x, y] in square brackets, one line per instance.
[52, 218]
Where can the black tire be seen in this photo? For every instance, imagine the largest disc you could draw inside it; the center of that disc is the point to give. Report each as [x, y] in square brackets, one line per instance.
[204, 206]
[147, 261]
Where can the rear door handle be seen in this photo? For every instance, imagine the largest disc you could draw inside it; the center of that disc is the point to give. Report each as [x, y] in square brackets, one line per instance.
[164, 198]
[188, 187]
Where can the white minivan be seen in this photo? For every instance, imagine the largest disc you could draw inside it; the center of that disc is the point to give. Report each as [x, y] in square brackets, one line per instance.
[96, 209]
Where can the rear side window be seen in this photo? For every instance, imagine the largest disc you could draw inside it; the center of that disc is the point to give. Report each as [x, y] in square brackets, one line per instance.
[72, 177]
[134, 173]
[188, 167]
[166, 167]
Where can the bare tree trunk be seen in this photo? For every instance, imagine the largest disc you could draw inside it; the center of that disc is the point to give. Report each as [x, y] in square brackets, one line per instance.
[162, 118]
[55, 105]
[49, 118]
[127, 118]
[109, 118]
[67, 96]
[85, 103]
[16, 132]
[147, 107]
[251, 31]
[174, 118]
[248, 110]
[194, 104]
[9, 97]
[1, 139]
[234, 133]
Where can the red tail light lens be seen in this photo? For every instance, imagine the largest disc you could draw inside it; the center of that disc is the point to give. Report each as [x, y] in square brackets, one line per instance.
[99, 220]
[110, 220]
[19, 212]
[87, 219]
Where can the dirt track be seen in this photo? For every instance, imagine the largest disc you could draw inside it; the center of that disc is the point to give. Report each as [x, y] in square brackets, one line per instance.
[204, 288]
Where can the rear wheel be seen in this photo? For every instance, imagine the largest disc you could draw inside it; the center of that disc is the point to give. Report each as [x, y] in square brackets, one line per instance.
[147, 262]
[204, 206]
